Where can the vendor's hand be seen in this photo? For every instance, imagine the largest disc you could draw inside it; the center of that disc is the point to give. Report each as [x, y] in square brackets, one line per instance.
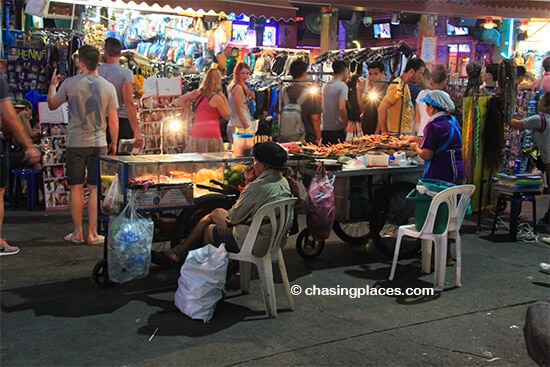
[411, 139]
[413, 145]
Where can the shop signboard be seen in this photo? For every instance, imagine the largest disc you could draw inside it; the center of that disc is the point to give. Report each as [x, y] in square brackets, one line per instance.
[27, 70]
[270, 36]
[243, 36]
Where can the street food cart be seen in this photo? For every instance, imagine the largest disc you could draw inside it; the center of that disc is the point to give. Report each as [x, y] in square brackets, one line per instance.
[370, 204]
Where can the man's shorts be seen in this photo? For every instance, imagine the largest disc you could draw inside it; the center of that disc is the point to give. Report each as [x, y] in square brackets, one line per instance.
[225, 235]
[80, 160]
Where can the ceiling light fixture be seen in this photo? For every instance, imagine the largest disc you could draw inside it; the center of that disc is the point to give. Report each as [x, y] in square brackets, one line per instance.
[489, 24]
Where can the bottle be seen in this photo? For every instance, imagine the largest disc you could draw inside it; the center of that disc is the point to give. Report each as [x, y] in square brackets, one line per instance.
[392, 160]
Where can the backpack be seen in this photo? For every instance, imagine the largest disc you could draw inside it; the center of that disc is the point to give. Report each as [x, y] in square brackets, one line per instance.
[292, 127]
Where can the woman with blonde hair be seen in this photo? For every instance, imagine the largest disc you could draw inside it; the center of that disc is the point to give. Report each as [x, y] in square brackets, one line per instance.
[238, 100]
[209, 105]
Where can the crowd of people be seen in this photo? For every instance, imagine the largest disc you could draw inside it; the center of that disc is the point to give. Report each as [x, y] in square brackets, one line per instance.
[102, 111]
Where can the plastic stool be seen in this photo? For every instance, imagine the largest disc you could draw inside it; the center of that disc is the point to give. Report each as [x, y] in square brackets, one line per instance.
[30, 175]
[515, 200]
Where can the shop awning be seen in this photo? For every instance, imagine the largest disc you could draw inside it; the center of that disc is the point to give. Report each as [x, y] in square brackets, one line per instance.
[276, 9]
[522, 9]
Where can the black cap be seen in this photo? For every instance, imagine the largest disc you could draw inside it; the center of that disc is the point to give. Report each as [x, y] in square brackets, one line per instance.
[270, 154]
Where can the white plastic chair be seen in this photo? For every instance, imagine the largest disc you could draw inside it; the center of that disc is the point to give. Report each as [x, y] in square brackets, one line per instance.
[278, 215]
[457, 210]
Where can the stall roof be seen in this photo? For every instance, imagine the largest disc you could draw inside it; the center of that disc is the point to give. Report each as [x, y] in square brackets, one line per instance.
[276, 9]
[522, 9]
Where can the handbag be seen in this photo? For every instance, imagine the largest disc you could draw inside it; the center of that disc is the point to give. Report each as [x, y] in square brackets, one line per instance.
[201, 281]
[130, 239]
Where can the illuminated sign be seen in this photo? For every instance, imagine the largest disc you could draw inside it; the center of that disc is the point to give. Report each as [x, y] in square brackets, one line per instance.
[270, 36]
[242, 36]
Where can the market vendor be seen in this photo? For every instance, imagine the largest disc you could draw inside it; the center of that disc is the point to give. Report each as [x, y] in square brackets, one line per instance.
[441, 145]
[264, 183]
[396, 112]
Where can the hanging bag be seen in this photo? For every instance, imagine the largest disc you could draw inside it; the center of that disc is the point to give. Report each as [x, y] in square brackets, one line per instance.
[129, 245]
[113, 200]
[321, 212]
[201, 281]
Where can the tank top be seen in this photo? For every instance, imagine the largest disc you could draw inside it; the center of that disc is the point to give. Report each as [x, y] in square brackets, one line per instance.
[207, 120]
[235, 121]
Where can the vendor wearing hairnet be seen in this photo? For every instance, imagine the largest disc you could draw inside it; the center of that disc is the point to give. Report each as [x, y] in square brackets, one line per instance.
[441, 145]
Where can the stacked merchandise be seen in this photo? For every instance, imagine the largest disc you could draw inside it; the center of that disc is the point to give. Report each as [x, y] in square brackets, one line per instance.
[517, 183]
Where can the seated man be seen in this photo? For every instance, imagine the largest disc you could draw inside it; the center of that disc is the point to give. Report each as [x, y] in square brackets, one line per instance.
[264, 183]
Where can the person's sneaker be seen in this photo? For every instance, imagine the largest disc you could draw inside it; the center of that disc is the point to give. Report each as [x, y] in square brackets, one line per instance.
[546, 240]
[545, 268]
[6, 249]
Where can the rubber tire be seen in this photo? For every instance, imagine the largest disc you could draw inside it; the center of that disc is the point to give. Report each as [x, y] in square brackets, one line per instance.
[100, 274]
[305, 242]
[347, 236]
[189, 217]
[394, 209]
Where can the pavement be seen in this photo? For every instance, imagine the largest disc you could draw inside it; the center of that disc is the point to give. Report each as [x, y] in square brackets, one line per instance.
[53, 314]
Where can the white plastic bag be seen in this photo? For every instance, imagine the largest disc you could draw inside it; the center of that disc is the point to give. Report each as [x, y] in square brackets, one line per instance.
[129, 242]
[201, 281]
[113, 200]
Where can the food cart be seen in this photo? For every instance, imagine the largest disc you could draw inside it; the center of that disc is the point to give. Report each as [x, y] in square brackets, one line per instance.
[165, 183]
[370, 204]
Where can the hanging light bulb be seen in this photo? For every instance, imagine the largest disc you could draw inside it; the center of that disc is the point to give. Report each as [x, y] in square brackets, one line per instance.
[489, 24]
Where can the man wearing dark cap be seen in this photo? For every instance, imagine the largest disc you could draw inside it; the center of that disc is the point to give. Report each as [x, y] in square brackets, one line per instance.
[264, 183]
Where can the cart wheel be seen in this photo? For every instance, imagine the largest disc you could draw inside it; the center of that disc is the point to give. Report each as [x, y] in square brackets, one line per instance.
[100, 274]
[188, 218]
[307, 247]
[354, 233]
[394, 210]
